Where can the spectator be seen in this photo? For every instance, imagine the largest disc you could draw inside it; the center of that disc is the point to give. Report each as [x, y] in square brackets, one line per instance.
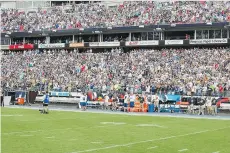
[172, 71]
[129, 13]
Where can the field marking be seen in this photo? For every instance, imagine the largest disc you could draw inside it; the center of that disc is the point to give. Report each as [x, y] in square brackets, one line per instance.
[182, 150]
[72, 139]
[96, 142]
[152, 147]
[101, 126]
[151, 125]
[10, 115]
[28, 135]
[65, 129]
[49, 119]
[113, 123]
[50, 137]
[62, 140]
[217, 152]
[130, 114]
[144, 141]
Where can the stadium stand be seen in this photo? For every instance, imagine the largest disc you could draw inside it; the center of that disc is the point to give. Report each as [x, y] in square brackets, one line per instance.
[125, 14]
[174, 48]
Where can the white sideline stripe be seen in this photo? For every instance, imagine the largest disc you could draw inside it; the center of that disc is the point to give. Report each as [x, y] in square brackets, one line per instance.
[10, 115]
[130, 114]
[26, 135]
[133, 143]
[152, 147]
[182, 150]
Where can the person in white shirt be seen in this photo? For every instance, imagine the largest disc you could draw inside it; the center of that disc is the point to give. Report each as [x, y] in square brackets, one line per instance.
[126, 100]
[209, 105]
[83, 101]
[106, 103]
[132, 100]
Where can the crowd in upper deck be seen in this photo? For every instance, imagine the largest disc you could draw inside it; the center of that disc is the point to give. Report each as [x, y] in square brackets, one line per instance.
[127, 13]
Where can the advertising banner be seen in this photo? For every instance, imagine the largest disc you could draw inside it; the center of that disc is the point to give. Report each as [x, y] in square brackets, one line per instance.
[142, 43]
[59, 94]
[25, 46]
[208, 41]
[5, 47]
[57, 45]
[173, 42]
[76, 45]
[105, 44]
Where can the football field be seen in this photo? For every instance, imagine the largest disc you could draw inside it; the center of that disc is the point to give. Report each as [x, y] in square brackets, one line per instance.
[28, 131]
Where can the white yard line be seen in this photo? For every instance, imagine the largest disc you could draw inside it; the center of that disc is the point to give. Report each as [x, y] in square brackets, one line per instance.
[152, 147]
[139, 142]
[182, 150]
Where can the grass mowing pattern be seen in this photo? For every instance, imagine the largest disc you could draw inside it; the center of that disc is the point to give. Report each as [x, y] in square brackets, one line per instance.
[28, 131]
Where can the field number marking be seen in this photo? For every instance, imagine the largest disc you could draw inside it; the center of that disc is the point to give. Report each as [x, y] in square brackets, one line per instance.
[182, 150]
[152, 147]
[114, 123]
[149, 125]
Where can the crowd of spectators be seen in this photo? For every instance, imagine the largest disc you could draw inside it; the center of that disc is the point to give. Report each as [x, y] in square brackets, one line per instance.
[128, 13]
[183, 71]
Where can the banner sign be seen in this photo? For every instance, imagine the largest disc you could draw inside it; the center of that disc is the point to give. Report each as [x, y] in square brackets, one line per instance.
[25, 46]
[173, 42]
[5, 46]
[76, 94]
[76, 45]
[208, 41]
[57, 45]
[142, 43]
[106, 44]
[59, 94]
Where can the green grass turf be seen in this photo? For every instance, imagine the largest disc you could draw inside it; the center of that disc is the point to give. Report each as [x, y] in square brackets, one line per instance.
[67, 132]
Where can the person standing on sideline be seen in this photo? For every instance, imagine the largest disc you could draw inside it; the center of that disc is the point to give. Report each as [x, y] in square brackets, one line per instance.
[156, 104]
[126, 101]
[83, 101]
[132, 100]
[46, 103]
[209, 105]
[2, 98]
[106, 102]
